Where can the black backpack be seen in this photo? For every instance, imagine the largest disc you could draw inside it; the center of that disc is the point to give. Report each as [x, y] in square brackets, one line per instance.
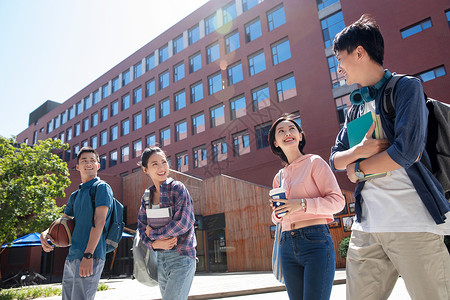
[113, 234]
[438, 133]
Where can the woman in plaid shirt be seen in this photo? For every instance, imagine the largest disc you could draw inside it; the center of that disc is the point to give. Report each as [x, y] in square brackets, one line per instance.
[175, 241]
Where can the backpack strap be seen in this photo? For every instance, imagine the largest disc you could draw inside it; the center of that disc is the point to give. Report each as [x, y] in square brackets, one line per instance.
[147, 198]
[92, 193]
[388, 104]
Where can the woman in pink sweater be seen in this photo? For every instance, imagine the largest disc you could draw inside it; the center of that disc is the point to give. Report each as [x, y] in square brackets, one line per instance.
[313, 196]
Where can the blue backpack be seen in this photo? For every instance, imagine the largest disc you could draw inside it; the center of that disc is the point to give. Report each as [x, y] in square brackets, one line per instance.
[113, 234]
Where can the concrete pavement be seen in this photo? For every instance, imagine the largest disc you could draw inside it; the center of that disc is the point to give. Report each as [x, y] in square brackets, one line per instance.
[242, 285]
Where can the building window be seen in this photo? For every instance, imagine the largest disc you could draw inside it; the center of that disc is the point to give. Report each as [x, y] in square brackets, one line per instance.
[56, 122]
[137, 70]
[125, 128]
[232, 42]
[164, 137]
[87, 102]
[237, 106]
[229, 12]
[447, 14]
[94, 142]
[78, 108]
[114, 84]
[416, 28]
[164, 108]
[76, 149]
[137, 121]
[180, 100]
[95, 97]
[286, 88]
[217, 115]
[125, 101]
[262, 134]
[182, 162]
[137, 148]
[253, 30]
[94, 119]
[247, 4]
[77, 130]
[103, 137]
[321, 4]
[164, 80]
[241, 143]
[150, 114]
[125, 77]
[85, 124]
[150, 140]
[104, 114]
[62, 136]
[181, 130]
[150, 88]
[331, 26]
[235, 73]
[149, 62]
[69, 134]
[256, 63]
[70, 113]
[276, 17]
[84, 143]
[260, 97]
[432, 74]
[212, 53]
[125, 153]
[178, 44]
[198, 123]
[210, 23]
[112, 158]
[337, 79]
[196, 92]
[50, 126]
[114, 133]
[215, 83]
[194, 34]
[137, 95]
[195, 62]
[68, 155]
[102, 162]
[114, 108]
[105, 91]
[200, 158]
[281, 51]
[342, 105]
[178, 72]
[163, 53]
[219, 148]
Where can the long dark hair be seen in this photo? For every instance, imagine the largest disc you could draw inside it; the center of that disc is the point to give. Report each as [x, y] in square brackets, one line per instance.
[277, 150]
[147, 153]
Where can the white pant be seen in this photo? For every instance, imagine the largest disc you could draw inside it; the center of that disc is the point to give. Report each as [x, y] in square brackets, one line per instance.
[75, 287]
[375, 260]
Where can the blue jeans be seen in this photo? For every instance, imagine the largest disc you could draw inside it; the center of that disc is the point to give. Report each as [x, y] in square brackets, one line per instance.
[75, 287]
[308, 262]
[175, 274]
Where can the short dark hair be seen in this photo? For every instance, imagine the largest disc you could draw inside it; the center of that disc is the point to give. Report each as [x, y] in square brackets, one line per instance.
[366, 33]
[87, 150]
[147, 153]
[277, 150]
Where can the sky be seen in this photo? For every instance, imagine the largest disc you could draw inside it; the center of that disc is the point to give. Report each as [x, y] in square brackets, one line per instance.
[51, 49]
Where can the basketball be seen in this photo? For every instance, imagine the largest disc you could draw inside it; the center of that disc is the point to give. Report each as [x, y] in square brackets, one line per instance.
[61, 231]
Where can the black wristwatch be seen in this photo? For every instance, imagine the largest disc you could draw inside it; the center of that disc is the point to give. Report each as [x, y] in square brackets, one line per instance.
[358, 173]
[88, 255]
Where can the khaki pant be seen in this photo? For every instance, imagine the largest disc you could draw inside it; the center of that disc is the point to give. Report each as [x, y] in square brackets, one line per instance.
[375, 260]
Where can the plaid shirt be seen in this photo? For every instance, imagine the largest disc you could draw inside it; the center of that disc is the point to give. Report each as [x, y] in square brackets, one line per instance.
[172, 193]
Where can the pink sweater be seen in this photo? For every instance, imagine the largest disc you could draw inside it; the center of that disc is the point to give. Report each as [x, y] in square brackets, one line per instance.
[310, 177]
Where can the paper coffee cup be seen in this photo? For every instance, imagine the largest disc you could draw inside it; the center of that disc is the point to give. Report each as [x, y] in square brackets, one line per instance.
[278, 194]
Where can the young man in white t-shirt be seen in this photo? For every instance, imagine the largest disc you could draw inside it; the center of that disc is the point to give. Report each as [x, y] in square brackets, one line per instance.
[401, 218]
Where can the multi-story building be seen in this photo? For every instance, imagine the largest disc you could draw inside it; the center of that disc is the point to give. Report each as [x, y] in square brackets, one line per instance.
[207, 89]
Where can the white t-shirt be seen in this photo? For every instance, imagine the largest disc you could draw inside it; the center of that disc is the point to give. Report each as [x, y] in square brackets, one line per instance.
[391, 204]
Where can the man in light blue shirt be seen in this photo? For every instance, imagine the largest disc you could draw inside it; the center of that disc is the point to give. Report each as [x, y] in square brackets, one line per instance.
[87, 253]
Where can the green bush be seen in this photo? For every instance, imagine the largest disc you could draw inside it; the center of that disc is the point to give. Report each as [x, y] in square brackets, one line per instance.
[36, 292]
[343, 246]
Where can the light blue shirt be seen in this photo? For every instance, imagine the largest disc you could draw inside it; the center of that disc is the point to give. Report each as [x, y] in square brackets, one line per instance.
[80, 207]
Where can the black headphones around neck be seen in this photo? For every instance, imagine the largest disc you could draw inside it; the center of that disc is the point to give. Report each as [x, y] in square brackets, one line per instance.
[368, 93]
